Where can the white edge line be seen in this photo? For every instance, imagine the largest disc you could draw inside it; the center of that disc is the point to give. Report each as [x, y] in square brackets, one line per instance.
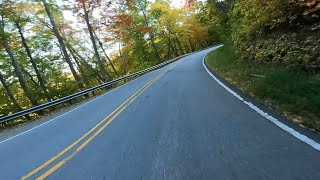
[293, 132]
[75, 108]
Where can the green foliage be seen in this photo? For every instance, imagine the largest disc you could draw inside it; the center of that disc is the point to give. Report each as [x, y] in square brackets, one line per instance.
[275, 52]
[215, 17]
[248, 17]
[276, 31]
[290, 49]
[142, 33]
[47, 47]
[295, 94]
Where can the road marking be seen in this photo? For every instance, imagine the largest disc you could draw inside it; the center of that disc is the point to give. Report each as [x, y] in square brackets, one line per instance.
[79, 106]
[122, 107]
[293, 132]
[102, 95]
[62, 162]
[84, 136]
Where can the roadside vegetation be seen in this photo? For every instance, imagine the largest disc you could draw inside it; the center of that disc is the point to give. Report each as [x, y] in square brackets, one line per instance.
[53, 48]
[293, 93]
[272, 53]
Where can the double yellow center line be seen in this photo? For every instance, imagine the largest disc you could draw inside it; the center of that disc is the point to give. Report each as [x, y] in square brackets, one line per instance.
[91, 134]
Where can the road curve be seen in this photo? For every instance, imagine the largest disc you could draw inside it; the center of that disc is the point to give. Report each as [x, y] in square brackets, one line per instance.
[173, 123]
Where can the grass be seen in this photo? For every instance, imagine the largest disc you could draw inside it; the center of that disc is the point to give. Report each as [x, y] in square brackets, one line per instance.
[295, 94]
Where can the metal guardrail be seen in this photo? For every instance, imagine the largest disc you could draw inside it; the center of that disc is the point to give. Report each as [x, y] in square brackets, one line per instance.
[87, 91]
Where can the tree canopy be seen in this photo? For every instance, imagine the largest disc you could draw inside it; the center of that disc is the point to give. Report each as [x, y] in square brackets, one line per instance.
[53, 48]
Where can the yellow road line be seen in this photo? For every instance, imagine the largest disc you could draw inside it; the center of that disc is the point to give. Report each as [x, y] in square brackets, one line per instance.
[84, 136]
[59, 164]
[122, 107]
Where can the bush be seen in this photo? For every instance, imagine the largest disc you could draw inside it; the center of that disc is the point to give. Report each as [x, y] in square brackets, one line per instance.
[277, 31]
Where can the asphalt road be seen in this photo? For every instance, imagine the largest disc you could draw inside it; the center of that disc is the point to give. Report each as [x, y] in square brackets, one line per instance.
[174, 123]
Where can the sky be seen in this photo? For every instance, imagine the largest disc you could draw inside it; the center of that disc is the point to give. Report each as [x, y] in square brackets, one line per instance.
[73, 19]
[69, 16]
[177, 3]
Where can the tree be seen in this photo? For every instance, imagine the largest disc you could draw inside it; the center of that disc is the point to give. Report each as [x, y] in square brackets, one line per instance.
[61, 43]
[9, 93]
[142, 8]
[106, 55]
[4, 42]
[86, 6]
[17, 22]
[47, 56]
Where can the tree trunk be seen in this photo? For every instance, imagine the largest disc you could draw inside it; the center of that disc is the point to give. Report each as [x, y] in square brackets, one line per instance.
[30, 77]
[76, 56]
[16, 66]
[203, 44]
[153, 44]
[143, 50]
[18, 72]
[188, 46]
[169, 48]
[175, 48]
[191, 45]
[62, 44]
[123, 60]
[144, 54]
[185, 45]
[98, 76]
[106, 55]
[33, 63]
[9, 93]
[96, 54]
[208, 43]
[180, 46]
[11, 96]
[81, 70]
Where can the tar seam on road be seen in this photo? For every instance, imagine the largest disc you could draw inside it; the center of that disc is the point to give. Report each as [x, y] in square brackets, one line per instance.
[293, 132]
[112, 116]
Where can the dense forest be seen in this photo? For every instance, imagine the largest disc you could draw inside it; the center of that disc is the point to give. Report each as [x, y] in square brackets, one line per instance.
[46, 55]
[271, 53]
[53, 48]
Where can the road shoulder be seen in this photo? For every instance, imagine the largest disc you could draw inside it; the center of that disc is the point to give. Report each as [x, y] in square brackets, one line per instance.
[311, 137]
